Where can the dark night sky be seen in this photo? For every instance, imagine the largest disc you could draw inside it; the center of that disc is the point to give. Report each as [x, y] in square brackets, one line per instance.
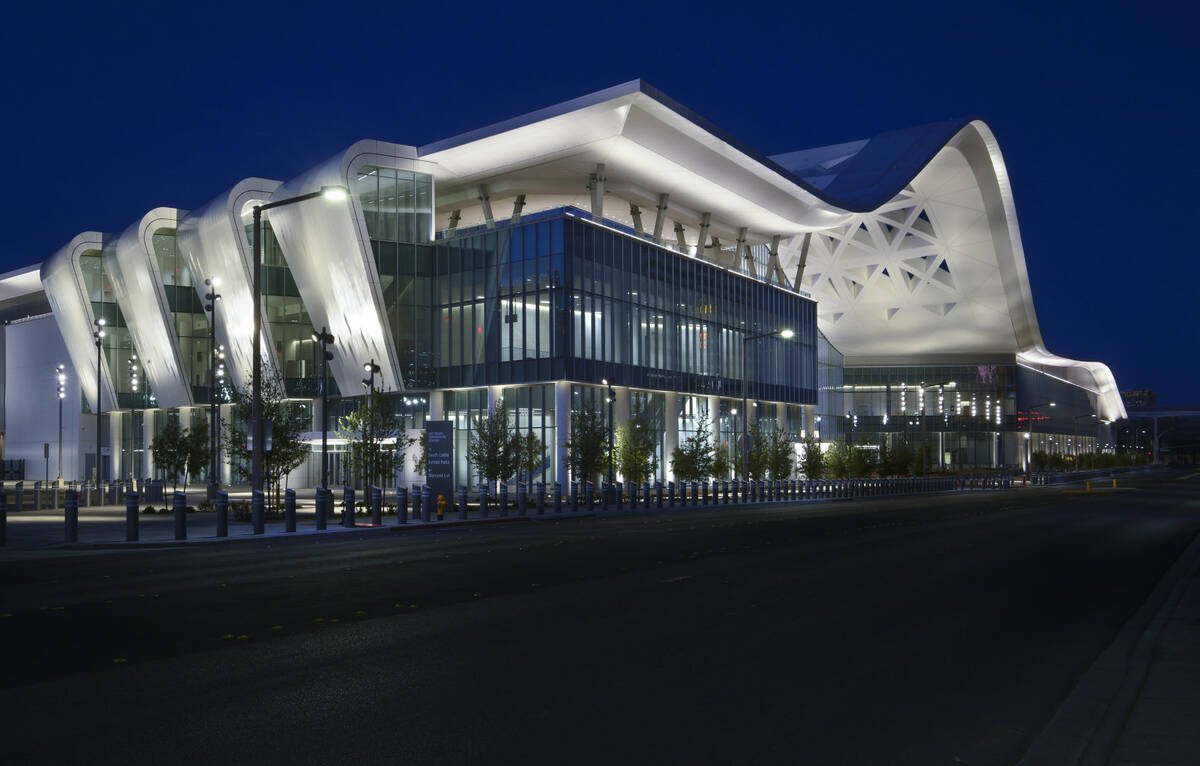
[110, 113]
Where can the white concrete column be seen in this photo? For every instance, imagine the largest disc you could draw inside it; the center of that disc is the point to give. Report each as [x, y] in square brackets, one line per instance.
[562, 430]
[494, 395]
[671, 413]
[714, 419]
[437, 401]
[620, 406]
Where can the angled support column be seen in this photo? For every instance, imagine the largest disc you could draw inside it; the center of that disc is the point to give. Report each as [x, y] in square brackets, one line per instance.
[455, 217]
[803, 259]
[485, 202]
[702, 241]
[743, 251]
[679, 238]
[774, 268]
[635, 213]
[596, 186]
[661, 217]
[518, 205]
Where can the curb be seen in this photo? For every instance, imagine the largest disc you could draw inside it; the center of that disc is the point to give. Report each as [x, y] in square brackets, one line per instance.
[1087, 725]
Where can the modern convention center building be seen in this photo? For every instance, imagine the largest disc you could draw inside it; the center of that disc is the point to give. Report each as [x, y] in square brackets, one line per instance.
[873, 291]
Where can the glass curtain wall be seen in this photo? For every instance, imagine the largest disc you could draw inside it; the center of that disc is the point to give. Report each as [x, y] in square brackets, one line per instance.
[398, 208]
[187, 311]
[296, 353]
[118, 344]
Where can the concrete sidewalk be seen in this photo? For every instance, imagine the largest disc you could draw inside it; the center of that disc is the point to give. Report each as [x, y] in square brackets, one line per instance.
[1137, 705]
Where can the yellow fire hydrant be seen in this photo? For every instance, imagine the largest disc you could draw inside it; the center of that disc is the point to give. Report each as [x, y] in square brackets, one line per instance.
[441, 507]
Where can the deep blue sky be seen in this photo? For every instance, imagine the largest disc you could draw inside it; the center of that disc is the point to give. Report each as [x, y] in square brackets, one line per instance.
[109, 113]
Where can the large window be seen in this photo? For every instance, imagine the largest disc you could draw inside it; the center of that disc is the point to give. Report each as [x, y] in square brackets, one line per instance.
[187, 312]
[118, 343]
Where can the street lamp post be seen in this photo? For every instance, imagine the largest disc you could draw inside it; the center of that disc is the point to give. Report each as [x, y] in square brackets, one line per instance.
[325, 338]
[98, 336]
[785, 334]
[60, 377]
[332, 194]
[1075, 435]
[372, 370]
[1029, 434]
[923, 388]
[133, 387]
[611, 398]
[212, 296]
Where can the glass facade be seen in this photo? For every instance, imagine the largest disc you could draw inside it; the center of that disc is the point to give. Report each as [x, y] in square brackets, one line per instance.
[187, 311]
[561, 297]
[296, 353]
[118, 344]
[969, 415]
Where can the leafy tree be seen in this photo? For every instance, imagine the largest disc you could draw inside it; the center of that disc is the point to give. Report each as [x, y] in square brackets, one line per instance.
[196, 451]
[376, 437]
[169, 450]
[288, 421]
[635, 457]
[900, 460]
[587, 450]
[780, 456]
[531, 452]
[694, 459]
[812, 462]
[421, 459]
[720, 464]
[837, 461]
[493, 450]
[920, 461]
[757, 458]
[884, 459]
[862, 462]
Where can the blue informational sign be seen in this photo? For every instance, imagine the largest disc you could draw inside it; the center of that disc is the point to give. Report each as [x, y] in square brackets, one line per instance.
[439, 462]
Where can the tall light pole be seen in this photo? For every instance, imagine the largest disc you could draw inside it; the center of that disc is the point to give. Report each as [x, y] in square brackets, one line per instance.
[211, 296]
[60, 377]
[785, 334]
[133, 387]
[332, 194]
[325, 338]
[372, 370]
[1029, 434]
[611, 398]
[98, 336]
[924, 388]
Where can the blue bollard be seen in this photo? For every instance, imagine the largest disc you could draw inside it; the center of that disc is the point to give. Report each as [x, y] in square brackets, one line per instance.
[401, 505]
[462, 503]
[222, 504]
[590, 491]
[541, 498]
[179, 506]
[289, 510]
[71, 518]
[483, 501]
[558, 497]
[347, 506]
[522, 499]
[503, 499]
[376, 507]
[426, 502]
[131, 516]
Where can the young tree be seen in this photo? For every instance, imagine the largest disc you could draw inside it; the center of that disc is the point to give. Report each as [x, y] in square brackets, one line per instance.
[169, 450]
[837, 460]
[781, 457]
[720, 464]
[531, 452]
[421, 459]
[196, 451]
[694, 459]
[812, 462]
[587, 450]
[758, 457]
[288, 422]
[862, 462]
[376, 437]
[884, 464]
[636, 457]
[493, 449]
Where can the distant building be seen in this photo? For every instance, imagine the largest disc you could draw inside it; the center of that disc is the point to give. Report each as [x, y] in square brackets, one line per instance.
[1141, 397]
[615, 237]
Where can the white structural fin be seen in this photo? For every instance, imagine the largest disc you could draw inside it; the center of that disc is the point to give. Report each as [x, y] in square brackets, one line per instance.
[62, 279]
[138, 286]
[214, 243]
[328, 251]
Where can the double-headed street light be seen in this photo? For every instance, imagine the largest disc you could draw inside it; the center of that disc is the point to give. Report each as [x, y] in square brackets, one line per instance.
[331, 194]
[372, 370]
[325, 338]
[211, 296]
[98, 336]
[60, 379]
[785, 334]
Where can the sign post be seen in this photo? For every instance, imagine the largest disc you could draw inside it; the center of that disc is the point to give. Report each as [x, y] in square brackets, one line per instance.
[439, 463]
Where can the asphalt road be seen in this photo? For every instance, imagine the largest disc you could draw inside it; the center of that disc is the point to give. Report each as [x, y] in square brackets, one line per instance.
[938, 630]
